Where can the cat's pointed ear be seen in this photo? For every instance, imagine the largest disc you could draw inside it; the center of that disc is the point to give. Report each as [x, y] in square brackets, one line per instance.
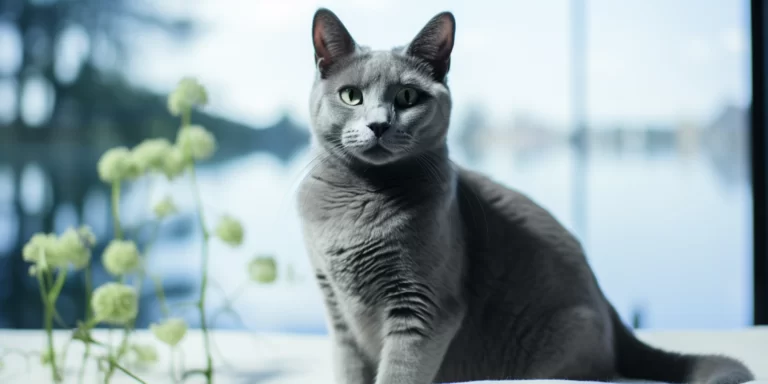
[331, 39]
[434, 44]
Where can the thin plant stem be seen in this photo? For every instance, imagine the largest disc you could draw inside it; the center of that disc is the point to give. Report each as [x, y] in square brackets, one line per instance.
[48, 323]
[118, 236]
[203, 280]
[86, 354]
[160, 295]
[115, 364]
[158, 285]
[88, 276]
[88, 316]
[237, 292]
[204, 269]
[116, 210]
[123, 348]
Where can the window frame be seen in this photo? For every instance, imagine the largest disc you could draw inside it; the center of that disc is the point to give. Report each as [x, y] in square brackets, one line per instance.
[758, 119]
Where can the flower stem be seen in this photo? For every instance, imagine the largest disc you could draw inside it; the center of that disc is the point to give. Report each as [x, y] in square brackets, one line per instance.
[115, 364]
[118, 236]
[48, 323]
[203, 278]
[185, 120]
[86, 354]
[160, 295]
[157, 282]
[88, 291]
[237, 292]
[51, 349]
[88, 316]
[116, 210]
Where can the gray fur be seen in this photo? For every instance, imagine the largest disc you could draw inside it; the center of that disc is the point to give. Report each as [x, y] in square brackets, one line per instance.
[434, 273]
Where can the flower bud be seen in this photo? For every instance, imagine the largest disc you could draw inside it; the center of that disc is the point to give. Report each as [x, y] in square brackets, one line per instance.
[117, 164]
[174, 163]
[188, 93]
[74, 248]
[145, 353]
[164, 207]
[196, 142]
[46, 357]
[262, 269]
[115, 303]
[121, 257]
[230, 231]
[150, 154]
[170, 331]
[44, 250]
[87, 236]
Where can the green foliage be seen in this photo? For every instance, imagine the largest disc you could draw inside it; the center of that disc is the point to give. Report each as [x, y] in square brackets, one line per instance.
[117, 303]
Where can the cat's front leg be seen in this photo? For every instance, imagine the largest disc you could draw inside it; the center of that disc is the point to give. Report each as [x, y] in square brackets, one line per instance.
[413, 354]
[349, 364]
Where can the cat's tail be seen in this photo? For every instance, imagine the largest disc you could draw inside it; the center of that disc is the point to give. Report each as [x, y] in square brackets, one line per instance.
[637, 360]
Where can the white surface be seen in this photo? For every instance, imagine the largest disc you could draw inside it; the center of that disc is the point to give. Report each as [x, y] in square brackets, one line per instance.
[242, 357]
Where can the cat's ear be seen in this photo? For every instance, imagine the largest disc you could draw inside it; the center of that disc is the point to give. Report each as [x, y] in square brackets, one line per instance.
[331, 39]
[434, 44]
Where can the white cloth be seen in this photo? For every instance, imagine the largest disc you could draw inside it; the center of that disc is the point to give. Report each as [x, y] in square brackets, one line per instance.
[243, 357]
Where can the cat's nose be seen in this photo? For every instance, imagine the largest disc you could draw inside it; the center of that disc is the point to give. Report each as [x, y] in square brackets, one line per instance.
[379, 128]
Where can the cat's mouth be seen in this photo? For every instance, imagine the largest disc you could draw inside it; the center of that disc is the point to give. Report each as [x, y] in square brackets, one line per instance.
[377, 149]
[377, 153]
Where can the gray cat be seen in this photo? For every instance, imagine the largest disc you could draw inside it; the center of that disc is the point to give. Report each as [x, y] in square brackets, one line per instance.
[431, 272]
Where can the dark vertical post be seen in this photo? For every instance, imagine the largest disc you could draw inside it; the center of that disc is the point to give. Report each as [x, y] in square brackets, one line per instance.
[758, 120]
[579, 116]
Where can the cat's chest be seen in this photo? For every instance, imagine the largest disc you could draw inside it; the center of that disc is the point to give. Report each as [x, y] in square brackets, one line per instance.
[334, 217]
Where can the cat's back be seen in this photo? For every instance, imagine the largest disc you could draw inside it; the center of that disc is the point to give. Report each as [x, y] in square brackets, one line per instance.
[493, 211]
[512, 240]
[524, 273]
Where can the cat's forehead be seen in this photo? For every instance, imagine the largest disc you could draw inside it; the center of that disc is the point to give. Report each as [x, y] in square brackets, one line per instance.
[383, 67]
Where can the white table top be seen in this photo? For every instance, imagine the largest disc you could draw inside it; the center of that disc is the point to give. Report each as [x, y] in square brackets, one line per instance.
[243, 357]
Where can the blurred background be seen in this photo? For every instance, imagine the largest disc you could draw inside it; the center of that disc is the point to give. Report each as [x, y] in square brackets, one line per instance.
[627, 119]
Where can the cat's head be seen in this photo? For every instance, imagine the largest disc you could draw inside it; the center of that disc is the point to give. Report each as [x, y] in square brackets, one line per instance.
[380, 107]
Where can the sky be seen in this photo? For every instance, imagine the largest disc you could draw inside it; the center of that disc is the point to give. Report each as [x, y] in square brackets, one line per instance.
[648, 61]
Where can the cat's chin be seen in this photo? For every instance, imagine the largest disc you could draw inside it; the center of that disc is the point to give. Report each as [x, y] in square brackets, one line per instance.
[376, 155]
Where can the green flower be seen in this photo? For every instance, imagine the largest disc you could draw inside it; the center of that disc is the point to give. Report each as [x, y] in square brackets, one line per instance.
[121, 257]
[75, 248]
[87, 236]
[45, 357]
[115, 303]
[170, 331]
[145, 353]
[174, 163]
[117, 164]
[188, 93]
[262, 269]
[43, 250]
[195, 142]
[165, 207]
[230, 231]
[150, 154]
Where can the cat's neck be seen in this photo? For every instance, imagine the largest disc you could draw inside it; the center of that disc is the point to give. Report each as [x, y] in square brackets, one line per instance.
[433, 169]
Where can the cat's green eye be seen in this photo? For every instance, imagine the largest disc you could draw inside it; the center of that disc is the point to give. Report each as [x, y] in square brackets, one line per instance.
[406, 97]
[351, 96]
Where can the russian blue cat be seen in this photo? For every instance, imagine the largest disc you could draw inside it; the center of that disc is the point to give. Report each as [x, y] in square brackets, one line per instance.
[434, 273]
